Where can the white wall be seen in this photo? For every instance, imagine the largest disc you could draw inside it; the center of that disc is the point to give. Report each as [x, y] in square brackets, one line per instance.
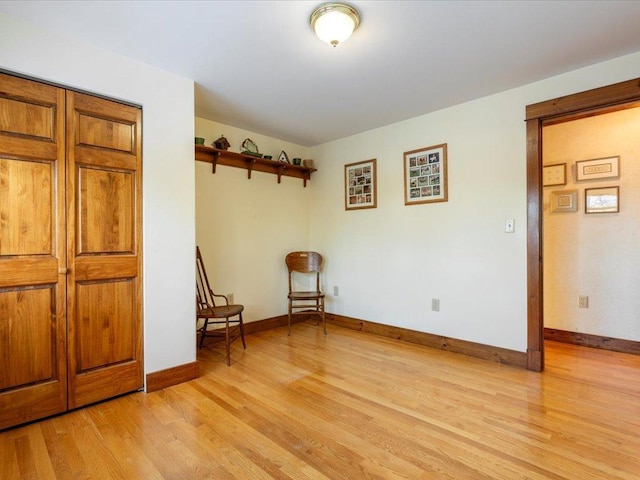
[391, 261]
[168, 170]
[594, 254]
[246, 227]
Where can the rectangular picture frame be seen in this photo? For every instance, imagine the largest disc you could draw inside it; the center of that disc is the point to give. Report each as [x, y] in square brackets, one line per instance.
[425, 175]
[563, 201]
[602, 200]
[598, 168]
[554, 175]
[360, 185]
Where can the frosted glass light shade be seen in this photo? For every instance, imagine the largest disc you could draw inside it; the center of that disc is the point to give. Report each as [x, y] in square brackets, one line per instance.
[334, 22]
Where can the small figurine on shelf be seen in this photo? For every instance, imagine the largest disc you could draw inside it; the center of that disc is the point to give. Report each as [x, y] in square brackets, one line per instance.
[222, 143]
[284, 158]
[250, 148]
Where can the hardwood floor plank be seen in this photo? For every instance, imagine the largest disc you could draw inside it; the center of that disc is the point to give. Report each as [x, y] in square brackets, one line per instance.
[352, 406]
[33, 458]
[8, 457]
[63, 449]
[250, 443]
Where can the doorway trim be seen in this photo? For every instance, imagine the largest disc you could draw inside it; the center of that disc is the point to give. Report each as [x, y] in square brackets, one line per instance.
[570, 107]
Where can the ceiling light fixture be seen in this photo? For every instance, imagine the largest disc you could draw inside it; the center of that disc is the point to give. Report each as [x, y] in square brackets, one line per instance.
[334, 22]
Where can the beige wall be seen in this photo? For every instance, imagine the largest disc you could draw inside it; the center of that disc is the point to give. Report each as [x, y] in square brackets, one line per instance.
[245, 227]
[594, 254]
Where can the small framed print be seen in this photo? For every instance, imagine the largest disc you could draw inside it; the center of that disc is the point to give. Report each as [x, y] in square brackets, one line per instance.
[553, 175]
[563, 201]
[602, 200]
[598, 168]
[425, 175]
[360, 185]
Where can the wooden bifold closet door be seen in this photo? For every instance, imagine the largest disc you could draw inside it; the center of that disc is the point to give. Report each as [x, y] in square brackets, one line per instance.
[70, 250]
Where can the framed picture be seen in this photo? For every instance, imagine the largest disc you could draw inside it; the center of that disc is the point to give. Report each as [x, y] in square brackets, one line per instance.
[598, 168]
[602, 200]
[425, 175]
[553, 175]
[563, 201]
[360, 185]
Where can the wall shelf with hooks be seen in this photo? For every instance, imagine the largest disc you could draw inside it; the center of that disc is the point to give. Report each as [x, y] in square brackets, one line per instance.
[250, 163]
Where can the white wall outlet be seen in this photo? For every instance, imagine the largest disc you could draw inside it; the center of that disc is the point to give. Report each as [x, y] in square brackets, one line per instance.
[230, 298]
[336, 291]
[510, 225]
[583, 301]
[435, 304]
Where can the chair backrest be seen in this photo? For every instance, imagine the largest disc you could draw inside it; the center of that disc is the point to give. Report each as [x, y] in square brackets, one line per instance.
[204, 293]
[304, 262]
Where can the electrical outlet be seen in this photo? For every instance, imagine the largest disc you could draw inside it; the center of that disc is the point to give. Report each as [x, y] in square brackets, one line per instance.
[583, 301]
[230, 298]
[435, 304]
[510, 225]
[336, 291]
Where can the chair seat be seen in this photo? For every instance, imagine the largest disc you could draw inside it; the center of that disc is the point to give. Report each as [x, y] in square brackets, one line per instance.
[305, 295]
[223, 311]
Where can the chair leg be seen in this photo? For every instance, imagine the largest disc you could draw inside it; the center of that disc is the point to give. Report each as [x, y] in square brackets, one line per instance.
[244, 345]
[204, 331]
[227, 343]
[289, 316]
[324, 323]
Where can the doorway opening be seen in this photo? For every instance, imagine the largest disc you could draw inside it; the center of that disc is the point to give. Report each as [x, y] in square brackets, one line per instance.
[591, 222]
[572, 107]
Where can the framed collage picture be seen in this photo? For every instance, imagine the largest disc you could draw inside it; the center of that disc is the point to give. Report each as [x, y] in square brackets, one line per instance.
[360, 185]
[425, 175]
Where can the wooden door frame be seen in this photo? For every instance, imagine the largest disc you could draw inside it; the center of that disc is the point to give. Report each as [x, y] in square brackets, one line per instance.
[592, 102]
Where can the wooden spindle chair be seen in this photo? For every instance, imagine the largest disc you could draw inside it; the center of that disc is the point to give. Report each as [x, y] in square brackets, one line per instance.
[226, 319]
[305, 302]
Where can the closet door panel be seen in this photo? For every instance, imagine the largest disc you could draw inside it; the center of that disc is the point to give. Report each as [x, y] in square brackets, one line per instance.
[33, 366]
[106, 220]
[104, 249]
[105, 312]
[27, 353]
[25, 228]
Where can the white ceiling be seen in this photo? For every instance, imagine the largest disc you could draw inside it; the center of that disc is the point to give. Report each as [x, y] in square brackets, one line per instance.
[258, 65]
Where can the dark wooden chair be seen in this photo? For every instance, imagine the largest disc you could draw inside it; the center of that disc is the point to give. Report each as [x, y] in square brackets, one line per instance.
[226, 319]
[303, 303]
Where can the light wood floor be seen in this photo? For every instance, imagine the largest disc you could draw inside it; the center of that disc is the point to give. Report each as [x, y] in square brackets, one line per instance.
[352, 406]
